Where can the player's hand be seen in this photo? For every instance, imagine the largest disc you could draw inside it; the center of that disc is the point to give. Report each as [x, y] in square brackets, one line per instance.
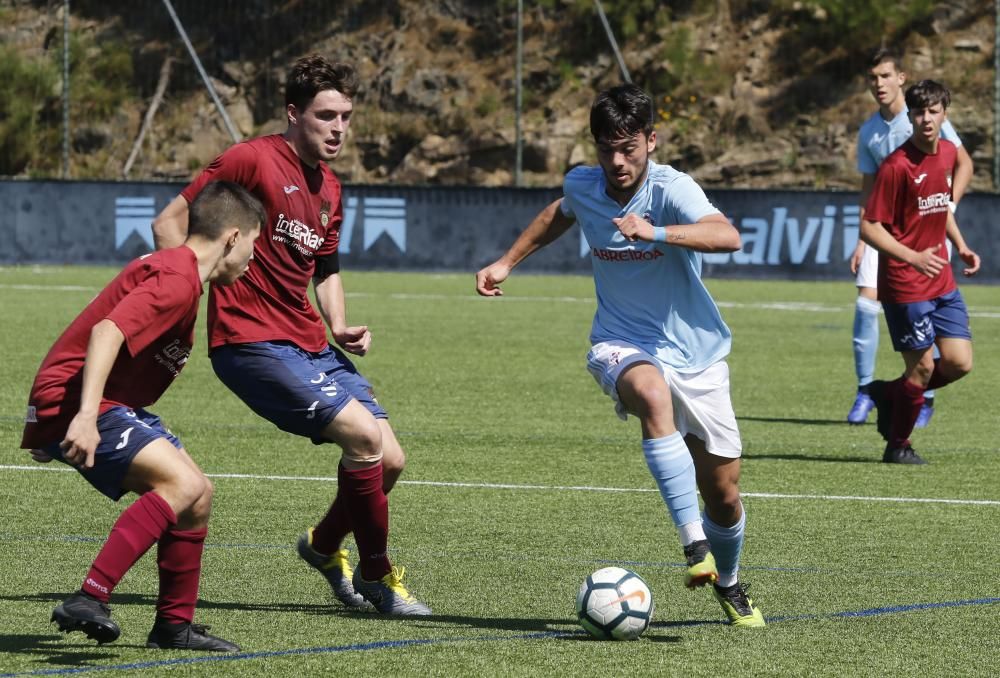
[489, 279]
[972, 262]
[634, 227]
[40, 456]
[856, 257]
[80, 443]
[356, 340]
[928, 262]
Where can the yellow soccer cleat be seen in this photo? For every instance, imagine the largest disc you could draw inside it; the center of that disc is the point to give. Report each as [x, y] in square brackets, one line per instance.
[389, 596]
[701, 568]
[738, 606]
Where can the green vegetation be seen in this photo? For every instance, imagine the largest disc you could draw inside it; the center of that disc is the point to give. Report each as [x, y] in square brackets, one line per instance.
[860, 568]
[823, 24]
[25, 87]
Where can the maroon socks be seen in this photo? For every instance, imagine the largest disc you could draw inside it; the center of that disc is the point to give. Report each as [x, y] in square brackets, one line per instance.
[179, 559]
[135, 531]
[907, 399]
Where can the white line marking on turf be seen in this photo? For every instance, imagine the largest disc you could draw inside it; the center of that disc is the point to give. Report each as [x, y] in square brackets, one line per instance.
[564, 488]
[54, 288]
[793, 306]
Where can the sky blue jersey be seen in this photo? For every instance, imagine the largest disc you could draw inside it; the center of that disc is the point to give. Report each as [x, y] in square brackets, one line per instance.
[649, 294]
[877, 138]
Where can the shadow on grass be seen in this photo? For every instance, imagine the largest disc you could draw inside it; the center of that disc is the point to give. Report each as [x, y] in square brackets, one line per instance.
[52, 649]
[792, 420]
[140, 599]
[563, 628]
[875, 458]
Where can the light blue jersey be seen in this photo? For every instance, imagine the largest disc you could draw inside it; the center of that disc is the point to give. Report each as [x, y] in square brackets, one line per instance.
[649, 294]
[878, 138]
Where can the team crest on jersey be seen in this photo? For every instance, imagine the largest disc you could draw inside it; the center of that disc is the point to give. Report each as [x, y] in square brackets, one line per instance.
[648, 216]
[324, 213]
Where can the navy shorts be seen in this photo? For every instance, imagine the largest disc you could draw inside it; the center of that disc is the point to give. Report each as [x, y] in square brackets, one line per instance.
[124, 433]
[296, 390]
[913, 327]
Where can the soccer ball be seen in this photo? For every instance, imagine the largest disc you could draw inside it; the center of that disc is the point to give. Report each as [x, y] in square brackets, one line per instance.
[614, 604]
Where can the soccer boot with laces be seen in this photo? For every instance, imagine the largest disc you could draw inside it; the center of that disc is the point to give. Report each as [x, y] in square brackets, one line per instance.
[335, 569]
[863, 405]
[701, 568]
[738, 606]
[902, 455]
[82, 612]
[389, 596]
[879, 392]
[185, 636]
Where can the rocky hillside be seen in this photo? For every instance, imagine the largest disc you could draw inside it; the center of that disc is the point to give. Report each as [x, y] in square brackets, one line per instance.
[750, 94]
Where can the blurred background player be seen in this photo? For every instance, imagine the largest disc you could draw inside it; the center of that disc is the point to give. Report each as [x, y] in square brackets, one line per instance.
[269, 345]
[907, 220]
[879, 136]
[659, 342]
[85, 409]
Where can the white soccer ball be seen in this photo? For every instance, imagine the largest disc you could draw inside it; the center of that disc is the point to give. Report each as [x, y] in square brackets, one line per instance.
[614, 604]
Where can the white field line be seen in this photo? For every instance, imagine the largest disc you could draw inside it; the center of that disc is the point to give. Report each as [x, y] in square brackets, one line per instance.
[793, 306]
[557, 488]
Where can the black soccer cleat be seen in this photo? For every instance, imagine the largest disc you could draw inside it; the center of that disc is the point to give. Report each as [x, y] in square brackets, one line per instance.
[83, 612]
[185, 636]
[879, 392]
[902, 455]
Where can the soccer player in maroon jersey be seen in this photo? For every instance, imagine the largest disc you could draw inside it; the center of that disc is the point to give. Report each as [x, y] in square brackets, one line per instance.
[269, 345]
[907, 219]
[86, 409]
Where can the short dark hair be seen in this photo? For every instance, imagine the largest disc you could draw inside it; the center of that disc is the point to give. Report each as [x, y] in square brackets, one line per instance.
[313, 74]
[621, 112]
[883, 54]
[927, 93]
[221, 205]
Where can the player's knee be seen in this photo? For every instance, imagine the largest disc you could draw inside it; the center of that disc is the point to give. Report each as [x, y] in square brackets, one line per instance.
[202, 507]
[364, 445]
[393, 458]
[723, 503]
[653, 400]
[959, 368]
[186, 490]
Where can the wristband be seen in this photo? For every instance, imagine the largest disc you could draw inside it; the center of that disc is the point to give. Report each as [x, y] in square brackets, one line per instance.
[659, 234]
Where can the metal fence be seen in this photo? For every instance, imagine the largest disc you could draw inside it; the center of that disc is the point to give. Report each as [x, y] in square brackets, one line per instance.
[93, 89]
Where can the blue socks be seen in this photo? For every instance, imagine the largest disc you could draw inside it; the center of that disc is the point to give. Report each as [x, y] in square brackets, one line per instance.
[673, 469]
[866, 312]
[727, 543]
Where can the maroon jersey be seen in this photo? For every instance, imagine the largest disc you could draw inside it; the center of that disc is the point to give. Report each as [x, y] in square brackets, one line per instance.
[154, 302]
[910, 198]
[270, 302]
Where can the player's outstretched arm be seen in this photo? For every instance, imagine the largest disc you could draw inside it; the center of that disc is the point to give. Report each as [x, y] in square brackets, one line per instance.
[543, 229]
[170, 228]
[333, 307]
[712, 233]
[80, 443]
[927, 262]
[970, 258]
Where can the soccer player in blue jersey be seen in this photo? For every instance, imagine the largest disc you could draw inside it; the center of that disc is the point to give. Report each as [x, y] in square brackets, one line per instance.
[659, 342]
[880, 135]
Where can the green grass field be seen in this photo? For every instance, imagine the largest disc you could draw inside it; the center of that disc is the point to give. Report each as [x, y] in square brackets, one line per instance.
[520, 482]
